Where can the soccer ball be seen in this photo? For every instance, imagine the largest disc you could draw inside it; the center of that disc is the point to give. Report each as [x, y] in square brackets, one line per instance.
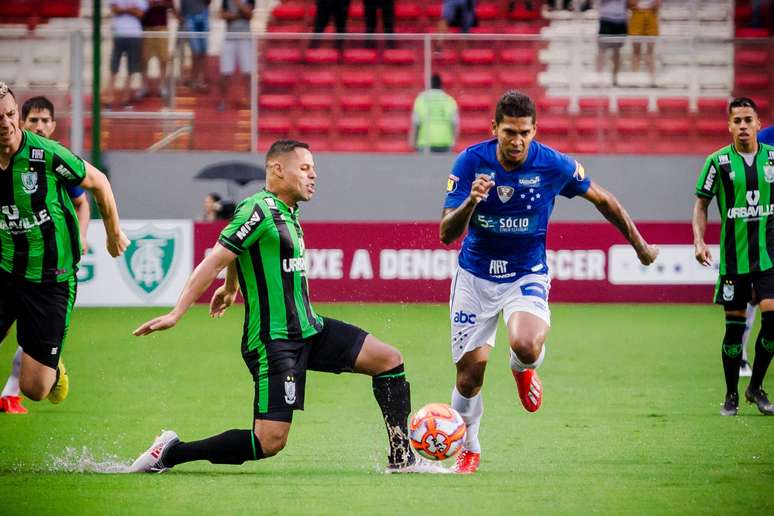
[437, 431]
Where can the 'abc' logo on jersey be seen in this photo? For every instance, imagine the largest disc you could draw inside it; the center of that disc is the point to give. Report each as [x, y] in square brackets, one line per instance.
[464, 318]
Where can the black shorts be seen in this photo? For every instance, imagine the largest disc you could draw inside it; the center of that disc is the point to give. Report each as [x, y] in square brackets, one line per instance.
[612, 34]
[279, 368]
[735, 291]
[42, 313]
[130, 46]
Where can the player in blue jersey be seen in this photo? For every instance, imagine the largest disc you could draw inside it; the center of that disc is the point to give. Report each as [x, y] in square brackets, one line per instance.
[765, 136]
[37, 115]
[502, 192]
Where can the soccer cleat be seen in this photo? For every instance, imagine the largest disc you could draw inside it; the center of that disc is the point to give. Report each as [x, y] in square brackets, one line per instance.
[731, 406]
[12, 405]
[759, 397]
[530, 389]
[745, 369]
[467, 462]
[152, 461]
[62, 387]
[417, 465]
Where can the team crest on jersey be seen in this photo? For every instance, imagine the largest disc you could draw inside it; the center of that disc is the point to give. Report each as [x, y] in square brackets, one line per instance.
[149, 259]
[30, 181]
[504, 193]
[580, 172]
[728, 291]
[290, 390]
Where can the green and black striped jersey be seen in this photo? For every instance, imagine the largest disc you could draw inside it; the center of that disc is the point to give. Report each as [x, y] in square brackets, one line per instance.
[746, 206]
[39, 239]
[267, 237]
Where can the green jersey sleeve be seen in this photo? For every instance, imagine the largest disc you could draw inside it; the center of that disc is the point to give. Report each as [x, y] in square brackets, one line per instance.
[245, 228]
[708, 183]
[67, 166]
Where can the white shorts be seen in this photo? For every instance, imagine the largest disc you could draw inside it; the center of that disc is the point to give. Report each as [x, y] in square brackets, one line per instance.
[233, 50]
[476, 303]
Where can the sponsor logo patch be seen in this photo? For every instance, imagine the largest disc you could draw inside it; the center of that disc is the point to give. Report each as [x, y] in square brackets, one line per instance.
[580, 172]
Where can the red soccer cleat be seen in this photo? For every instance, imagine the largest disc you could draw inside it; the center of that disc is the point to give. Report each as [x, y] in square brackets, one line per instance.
[530, 389]
[467, 462]
[12, 405]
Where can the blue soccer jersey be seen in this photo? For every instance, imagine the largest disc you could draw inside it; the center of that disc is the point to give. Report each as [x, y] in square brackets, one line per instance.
[767, 135]
[507, 233]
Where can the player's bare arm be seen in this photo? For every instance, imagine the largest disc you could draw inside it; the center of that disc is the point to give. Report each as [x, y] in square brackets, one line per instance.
[83, 212]
[455, 221]
[225, 295]
[699, 223]
[201, 278]
[96, 182]
[613, 211]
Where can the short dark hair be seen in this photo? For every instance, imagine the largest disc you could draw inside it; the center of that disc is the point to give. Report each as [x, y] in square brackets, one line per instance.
[214, 196]
[436, 82]
[516, 104]
[5, 90]
[739, 102]
[281, 147]
[38, 103]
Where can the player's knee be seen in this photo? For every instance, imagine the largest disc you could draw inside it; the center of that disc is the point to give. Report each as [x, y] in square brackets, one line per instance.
[33, 388]
[273, 443]
[528, 347]
[392, 358]
[470, 380]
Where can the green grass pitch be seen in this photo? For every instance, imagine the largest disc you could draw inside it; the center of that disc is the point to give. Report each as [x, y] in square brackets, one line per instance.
[629, 423]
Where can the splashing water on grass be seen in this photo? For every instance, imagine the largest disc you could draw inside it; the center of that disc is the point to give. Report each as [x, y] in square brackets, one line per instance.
[73, 460]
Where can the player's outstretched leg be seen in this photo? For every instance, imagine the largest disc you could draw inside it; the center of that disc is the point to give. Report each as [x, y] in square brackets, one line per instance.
[527, 332]
[468, 401]
[230, 447]
[764, 350]
[731, 353]
[10, 400]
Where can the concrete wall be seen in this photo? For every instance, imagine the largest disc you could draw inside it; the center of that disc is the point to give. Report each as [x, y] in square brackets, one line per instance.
[391, 186]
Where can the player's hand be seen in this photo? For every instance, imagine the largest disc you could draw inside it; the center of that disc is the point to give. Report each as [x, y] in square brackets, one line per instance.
[647, 253]
[221, 300]
[702, 253]
[479, 190]
[117, 246]
[163, 322]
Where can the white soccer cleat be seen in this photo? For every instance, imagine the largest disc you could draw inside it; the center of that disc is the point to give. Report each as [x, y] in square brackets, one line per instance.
[420, 465]
[151, 460]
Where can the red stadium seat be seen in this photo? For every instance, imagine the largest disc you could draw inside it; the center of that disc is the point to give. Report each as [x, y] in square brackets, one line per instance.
[394, 125]
[554, 126]
[673, 127]
[276, 102]
[356, 11]
[751, 32]
[587, 125]
[314, 125]
[289, 12]
[518, 56]
[400, 80]
[407, 12]
[522, 28]
[479, 126]
[445, 57]
[713, 106]
[321, 56]
[271, 79]
[521, 13]
[475, 102]
[588, 147]
[287, 27]
[517, 79]
[360, 56]
[632, 127]
[353, 126]
[399, 56]
[475, 79]
[282, 56]
[316, 101]
[318, 79]
[672, 104]
[751, 57]
[487, 12]
[356, 102]
[357, 79]
[396, 102]
[752, 81]
[712, 127]
[593, 104]
[274, 125]
[477, 56]
[632, 105]
[433, 11]
[553, 105]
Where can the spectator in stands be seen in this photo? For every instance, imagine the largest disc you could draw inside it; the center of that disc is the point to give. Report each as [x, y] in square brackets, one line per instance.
[155, 20]
[388, 17]
[612, 32]
[757, 14]
[435, 119]
[327, 9]
[237, 14]
[458, 13]
[195, 17]
[127, 40]
[211, 206]
[644, 22]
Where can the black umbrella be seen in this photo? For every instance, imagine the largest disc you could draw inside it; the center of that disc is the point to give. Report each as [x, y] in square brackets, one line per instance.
[238, 172]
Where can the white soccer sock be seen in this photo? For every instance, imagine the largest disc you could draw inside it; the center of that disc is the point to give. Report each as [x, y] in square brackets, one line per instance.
[12, 385]
[519, 366]
[471, 410]
[749, 323]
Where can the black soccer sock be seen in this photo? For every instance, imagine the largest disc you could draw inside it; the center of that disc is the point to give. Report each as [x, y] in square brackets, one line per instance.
[764, 350]
[731, 351]
[393, 394]
[230, 447]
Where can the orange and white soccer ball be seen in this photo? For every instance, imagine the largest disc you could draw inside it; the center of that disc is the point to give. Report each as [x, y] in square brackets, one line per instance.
[437, 431]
